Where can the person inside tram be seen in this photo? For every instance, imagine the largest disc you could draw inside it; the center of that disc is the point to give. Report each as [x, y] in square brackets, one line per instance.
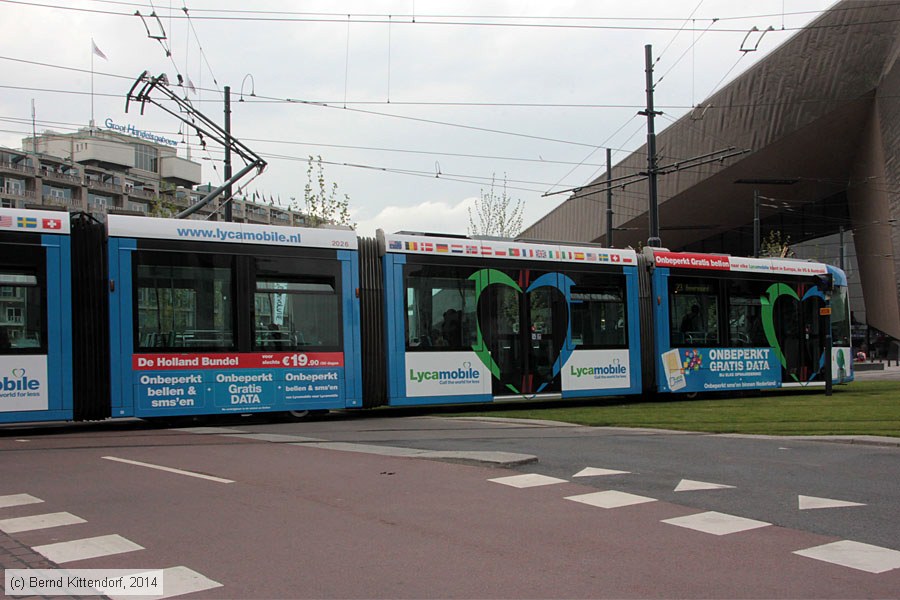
[692, 322]
[451, 328]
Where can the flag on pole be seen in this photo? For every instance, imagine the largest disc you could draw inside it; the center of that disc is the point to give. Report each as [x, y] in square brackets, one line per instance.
[97, 50]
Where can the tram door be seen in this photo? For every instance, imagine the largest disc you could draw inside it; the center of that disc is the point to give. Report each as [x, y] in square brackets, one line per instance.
[797, 327]
[525, 333]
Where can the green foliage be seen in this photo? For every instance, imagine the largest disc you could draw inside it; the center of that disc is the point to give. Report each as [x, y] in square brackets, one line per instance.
[496, 214]
[163, 203]
[322, 203]
[775, 245]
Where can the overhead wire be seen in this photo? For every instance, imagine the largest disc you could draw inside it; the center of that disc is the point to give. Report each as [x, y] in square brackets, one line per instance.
[382, 19]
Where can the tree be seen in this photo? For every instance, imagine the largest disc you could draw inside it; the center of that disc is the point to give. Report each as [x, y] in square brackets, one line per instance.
[163, 204]
[322, 204]
[496, 214]
[775, 245]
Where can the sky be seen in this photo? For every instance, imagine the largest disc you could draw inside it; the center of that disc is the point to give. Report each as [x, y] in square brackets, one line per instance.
[415, 106]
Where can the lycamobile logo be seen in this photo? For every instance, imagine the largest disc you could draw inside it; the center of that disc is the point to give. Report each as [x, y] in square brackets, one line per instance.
[600, 371]
[465, 372]
[20, 383]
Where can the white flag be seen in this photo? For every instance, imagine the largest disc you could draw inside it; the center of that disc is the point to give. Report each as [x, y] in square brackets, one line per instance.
[97, 50]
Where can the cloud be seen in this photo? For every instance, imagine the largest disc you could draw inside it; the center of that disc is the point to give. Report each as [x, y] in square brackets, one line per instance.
[428, 216]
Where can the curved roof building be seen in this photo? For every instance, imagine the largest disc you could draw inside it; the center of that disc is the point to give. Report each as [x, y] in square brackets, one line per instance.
[820, 117]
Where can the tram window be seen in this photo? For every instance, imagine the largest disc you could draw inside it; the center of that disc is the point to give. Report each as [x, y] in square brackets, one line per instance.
[440, 308]
[693, 313]
[840, 318]
[21, 313]
[598, 317]
[745, 313]
[296, 313]
[183, 307]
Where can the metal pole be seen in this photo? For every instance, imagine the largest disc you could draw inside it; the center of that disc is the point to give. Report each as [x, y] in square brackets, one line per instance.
[228, 199]
[841, 242]
[609, 210]
[756, 223]
[826, 323]
[654, 240]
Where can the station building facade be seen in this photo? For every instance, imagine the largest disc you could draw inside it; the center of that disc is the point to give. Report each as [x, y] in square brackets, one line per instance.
[820, 120]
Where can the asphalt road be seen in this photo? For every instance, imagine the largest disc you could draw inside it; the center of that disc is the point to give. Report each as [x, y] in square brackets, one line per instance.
[297, 519]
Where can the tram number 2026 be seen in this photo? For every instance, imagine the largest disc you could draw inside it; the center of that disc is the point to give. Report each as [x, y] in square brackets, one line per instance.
[340, 244]
[299, 360]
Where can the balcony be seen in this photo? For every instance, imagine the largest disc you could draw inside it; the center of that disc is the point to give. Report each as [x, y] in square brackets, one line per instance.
[11, 167]
[143, 194]
[67, 203]
[105, 186]
[66, 178]
[17, 194]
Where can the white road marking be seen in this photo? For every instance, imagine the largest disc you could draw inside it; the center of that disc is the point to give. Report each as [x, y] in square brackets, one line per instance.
[177, 581]
[610, 499]
[596, 472]
[18, 500]
[169, 469]
[104, 545]
[716, 523]
[812, 502]
[273, 437]
[856, 555]
[44, 521]
[206, 430]
[689, 485]
[528, 480]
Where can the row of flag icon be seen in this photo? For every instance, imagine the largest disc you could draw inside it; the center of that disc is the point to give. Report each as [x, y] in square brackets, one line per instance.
[30, 222]
[515, 252]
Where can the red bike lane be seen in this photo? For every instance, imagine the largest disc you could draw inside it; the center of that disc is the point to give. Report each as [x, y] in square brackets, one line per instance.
[304, 522]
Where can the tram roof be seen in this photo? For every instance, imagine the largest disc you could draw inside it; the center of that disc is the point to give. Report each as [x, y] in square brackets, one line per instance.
[503, 248]
[22, 220]
[229, 233]
[725, 262]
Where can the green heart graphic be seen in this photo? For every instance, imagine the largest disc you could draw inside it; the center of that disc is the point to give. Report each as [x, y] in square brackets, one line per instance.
[775, 291]
[556, 281]
[482, 279]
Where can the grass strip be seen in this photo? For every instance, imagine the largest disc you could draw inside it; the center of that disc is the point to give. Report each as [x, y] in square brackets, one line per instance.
[861, 408]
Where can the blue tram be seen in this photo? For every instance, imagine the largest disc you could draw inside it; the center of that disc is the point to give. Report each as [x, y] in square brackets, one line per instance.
[36, 375]
[487, 320]
[210, 317]
[725, 323]
[145, 317]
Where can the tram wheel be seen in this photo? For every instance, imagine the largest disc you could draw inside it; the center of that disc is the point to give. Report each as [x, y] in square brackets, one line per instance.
[305, 415]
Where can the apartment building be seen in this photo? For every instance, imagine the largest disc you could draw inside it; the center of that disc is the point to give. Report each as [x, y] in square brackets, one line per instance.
[116, 168]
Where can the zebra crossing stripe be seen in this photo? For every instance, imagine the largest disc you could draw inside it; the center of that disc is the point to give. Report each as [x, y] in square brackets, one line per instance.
[18, 500]
[176, 582]
[104, 545]
[44, 521]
